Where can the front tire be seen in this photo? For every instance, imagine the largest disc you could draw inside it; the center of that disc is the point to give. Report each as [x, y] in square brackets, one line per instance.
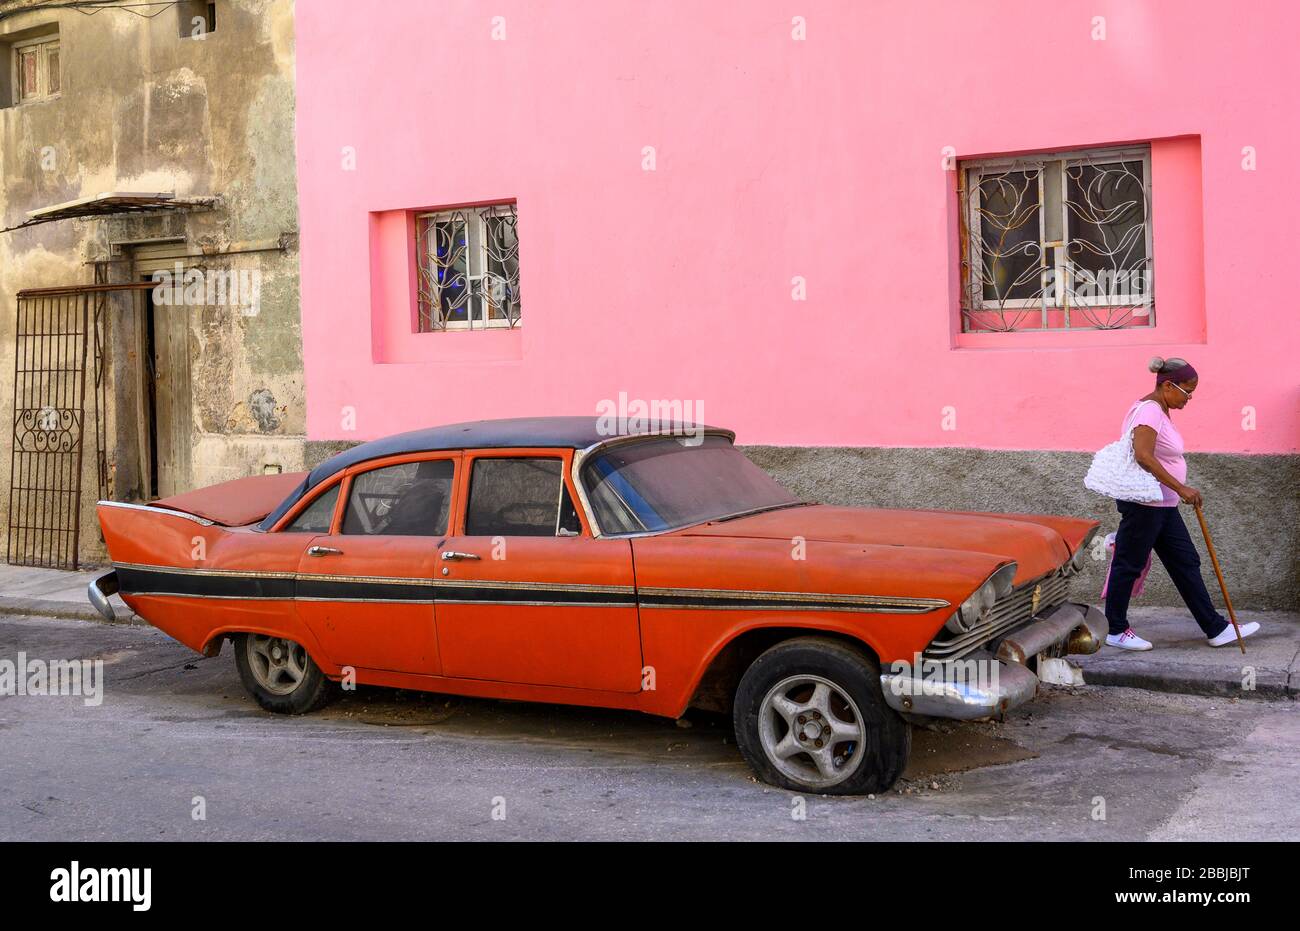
[810, 716]
[280, 675]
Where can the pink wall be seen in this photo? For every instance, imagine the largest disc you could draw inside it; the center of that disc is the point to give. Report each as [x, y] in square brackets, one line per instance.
[776, 158]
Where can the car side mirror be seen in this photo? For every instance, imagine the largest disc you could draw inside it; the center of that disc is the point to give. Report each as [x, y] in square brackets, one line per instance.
[566, 532]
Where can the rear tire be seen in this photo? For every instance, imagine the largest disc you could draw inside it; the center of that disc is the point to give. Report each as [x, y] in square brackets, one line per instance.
[280, 675]
[810, 716]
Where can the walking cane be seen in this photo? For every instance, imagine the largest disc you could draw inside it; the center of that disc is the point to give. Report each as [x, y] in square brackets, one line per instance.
[1209, 545]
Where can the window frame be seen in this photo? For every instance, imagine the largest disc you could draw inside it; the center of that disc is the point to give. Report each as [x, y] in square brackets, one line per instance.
[478, 214]
[42, 45]
[365, 468]
[971, 171]
[187, 11]
[344, 479]
[300, 508]
[565, 455]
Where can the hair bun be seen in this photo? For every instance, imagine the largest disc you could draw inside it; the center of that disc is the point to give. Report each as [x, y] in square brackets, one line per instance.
[1156, 364]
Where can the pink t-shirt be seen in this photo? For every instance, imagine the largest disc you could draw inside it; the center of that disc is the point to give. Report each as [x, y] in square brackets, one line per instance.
[1169, 446]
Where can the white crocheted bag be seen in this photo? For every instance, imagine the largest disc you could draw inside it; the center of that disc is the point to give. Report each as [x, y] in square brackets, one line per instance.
[1115, 472]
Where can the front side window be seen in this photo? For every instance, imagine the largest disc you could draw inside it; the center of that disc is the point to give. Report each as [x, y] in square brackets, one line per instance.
[669, 482]
[318, 516]
[468, 268]
[1060, 241]
[518, 497]
[411, 499]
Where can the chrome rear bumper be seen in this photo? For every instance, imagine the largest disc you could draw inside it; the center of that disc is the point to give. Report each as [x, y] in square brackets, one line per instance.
[987, 684]
[99, 590]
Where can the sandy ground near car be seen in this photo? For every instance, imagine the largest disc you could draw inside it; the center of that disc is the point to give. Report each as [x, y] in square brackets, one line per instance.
[1095, 763]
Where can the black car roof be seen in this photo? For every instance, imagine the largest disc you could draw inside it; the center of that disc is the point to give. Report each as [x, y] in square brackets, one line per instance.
[532, 432]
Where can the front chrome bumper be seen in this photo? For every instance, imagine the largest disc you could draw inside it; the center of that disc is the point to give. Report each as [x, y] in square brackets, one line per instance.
[988, 683]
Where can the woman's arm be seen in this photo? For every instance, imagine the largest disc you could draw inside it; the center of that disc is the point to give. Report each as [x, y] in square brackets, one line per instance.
[1144, 451]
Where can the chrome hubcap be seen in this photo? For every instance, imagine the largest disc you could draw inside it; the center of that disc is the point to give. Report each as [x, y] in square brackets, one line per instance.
[811, 731]
[278, 665]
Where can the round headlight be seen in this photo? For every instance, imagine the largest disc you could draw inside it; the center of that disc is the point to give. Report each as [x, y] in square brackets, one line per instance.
[965, 617]
[1081, 554]
[970, 612]
[1002, 579]
[975, 608]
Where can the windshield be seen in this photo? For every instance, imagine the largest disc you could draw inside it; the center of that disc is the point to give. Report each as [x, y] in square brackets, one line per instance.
[670, 482]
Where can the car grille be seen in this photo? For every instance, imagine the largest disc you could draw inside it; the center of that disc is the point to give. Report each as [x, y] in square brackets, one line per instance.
[1005, 616]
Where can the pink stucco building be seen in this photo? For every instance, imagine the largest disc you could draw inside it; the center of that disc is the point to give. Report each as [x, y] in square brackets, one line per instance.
[944, 238]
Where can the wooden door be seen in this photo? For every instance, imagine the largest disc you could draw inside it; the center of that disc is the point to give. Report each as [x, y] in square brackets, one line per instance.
[166, 417]
[173, 417]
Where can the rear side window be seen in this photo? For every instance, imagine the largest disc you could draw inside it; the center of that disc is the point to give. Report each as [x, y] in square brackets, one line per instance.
[319, 515]
[411, 499]
[514, 498]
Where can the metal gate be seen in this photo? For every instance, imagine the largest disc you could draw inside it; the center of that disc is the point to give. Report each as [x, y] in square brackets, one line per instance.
[58, 354]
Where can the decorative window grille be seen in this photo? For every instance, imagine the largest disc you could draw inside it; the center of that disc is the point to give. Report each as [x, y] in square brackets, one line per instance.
[1058, 241]
[468, 268]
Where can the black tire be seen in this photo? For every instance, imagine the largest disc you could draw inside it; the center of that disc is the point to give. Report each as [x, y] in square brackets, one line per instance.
[872, 764]
[311, 692]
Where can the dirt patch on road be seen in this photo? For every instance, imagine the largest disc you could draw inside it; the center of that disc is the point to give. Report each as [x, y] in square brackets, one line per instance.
[948, 749]
[395, 708]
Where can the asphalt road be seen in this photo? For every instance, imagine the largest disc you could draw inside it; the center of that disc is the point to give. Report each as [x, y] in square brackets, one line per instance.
[388, 765]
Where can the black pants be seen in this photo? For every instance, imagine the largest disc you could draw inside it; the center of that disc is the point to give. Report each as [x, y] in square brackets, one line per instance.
[1141, 529]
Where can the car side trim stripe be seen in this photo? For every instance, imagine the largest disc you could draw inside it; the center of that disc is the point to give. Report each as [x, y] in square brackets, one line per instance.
[229, 584]
[720, 599]
[139, 580]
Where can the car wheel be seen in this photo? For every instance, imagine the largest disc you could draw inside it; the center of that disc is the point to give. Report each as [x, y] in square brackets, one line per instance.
[810, 716]
[280, 675]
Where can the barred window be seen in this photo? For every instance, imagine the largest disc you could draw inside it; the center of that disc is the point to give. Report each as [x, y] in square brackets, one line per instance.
[1058, 241]
[468, 268]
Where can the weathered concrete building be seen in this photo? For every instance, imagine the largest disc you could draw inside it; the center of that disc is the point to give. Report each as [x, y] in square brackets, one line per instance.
[149, 323]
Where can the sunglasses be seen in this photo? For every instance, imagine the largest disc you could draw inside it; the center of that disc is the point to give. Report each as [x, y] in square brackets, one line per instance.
[1186, 393]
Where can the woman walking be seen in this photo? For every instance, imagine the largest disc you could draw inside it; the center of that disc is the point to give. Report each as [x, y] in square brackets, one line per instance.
[1158, 448]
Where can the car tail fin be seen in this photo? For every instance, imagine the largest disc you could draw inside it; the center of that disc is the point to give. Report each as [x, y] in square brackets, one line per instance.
[236, 503]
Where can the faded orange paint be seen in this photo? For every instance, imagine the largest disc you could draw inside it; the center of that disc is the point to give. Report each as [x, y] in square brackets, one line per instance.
[586, 655]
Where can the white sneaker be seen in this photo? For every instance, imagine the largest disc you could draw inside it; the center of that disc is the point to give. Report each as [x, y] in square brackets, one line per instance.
[1230, 636]
[1128, 641]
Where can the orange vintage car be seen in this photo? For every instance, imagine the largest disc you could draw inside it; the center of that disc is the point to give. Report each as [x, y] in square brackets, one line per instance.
[549, 560]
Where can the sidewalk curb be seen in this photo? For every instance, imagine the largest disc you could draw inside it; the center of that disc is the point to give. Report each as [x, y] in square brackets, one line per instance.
[68, 610]
[1270, 684]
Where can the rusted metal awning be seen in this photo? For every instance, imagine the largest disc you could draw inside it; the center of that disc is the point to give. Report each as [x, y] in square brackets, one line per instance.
[113, 203]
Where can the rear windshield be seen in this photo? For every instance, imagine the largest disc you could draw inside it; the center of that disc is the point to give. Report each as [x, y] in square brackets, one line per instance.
[671, 482]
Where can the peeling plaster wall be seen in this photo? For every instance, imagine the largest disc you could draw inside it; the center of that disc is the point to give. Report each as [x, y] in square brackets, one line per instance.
[144, 110]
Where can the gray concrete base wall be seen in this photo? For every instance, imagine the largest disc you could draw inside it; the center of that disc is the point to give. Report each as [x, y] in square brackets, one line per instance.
[1251, 504]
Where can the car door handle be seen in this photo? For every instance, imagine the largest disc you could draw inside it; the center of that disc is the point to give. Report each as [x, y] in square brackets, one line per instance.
[323, 551]
[453, 554]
